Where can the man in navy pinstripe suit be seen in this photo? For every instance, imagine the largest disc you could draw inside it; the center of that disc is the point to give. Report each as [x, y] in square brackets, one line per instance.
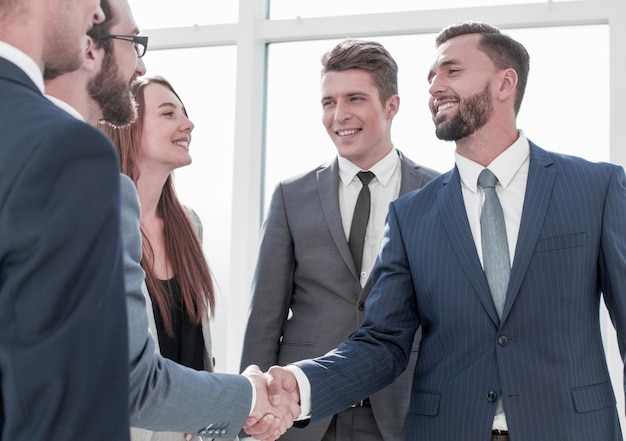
[537, 371]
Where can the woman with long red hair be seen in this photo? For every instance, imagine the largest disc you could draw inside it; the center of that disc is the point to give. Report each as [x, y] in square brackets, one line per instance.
[178, 278]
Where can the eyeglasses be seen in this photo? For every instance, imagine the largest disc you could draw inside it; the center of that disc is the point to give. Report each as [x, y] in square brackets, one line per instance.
[140, 42]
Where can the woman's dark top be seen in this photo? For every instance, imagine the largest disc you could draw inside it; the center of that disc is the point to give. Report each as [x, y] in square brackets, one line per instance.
[186, 346]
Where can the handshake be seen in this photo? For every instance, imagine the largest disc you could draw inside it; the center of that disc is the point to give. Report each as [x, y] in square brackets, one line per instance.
[277, 402]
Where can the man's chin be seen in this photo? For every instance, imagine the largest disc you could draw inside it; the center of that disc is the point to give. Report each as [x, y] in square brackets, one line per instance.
[445, 134]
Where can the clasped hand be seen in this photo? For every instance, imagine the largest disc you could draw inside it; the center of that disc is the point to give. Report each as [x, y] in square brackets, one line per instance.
[277, 403]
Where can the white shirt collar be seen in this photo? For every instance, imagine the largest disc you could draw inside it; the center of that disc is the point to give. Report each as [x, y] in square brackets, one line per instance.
[383, 169]
[65, 106]
[24, 62]
[504, 166]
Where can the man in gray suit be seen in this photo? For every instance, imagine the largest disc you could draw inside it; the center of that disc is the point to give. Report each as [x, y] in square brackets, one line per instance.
[312, 275]
[163, 394]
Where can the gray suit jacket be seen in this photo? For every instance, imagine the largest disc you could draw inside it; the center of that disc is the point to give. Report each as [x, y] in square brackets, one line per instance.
[165, 395]
[305, 269]
[150, 435]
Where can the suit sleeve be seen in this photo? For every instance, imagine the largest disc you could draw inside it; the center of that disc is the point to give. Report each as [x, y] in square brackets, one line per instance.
[612, 259]
[377, 352]
[164, 395]
[272, 288]
[63, 335]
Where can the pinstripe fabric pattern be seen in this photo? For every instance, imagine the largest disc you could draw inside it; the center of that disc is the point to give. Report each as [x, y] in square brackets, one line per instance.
[496, 262]
[546, 355]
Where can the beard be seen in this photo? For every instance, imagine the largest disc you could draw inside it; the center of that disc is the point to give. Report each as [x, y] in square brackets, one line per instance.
[112, 93]
[474, 112]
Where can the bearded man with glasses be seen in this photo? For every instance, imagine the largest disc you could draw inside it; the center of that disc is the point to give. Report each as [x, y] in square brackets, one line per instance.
[164, 396]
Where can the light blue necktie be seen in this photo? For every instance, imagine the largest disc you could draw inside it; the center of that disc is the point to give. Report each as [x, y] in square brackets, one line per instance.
[496, 262]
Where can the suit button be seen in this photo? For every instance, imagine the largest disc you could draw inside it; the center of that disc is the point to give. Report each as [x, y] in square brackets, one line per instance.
[203, 432]
[503, 341]
[361, 305]
[491, 396]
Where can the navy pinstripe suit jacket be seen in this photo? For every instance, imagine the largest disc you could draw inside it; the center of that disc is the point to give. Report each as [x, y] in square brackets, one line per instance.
[545, 356]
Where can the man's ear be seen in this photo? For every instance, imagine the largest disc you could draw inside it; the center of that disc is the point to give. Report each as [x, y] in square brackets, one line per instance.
[93, 56]
[508, 84]
[392, 106]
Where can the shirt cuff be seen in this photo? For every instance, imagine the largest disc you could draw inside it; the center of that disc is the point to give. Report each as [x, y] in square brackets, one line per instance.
[253, 396]
[305, 392]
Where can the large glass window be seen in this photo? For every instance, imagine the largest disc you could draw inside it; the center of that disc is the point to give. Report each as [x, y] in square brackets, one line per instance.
[288, 9]
[204, 78]
[565, 108]
[152, 14]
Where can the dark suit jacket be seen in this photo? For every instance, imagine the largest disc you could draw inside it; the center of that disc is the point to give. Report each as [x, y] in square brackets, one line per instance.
[305, 265]
[545, 355]
[63, 333]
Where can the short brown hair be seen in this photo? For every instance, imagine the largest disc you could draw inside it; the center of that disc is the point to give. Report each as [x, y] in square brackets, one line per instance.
[501, 49]
[367, 55]
[104, 27]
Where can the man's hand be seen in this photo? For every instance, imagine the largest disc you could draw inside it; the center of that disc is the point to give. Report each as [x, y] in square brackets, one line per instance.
[281, 386]
[269, 421]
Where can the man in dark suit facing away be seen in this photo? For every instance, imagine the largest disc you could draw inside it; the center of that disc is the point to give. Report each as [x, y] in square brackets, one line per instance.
[63, 332]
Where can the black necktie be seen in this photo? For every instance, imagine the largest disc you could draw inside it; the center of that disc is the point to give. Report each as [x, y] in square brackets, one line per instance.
[360, 219]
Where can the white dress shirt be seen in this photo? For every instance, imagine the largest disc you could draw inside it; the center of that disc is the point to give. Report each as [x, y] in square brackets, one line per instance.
[384, 188]
[65, 106]
[24, 62]
[511, 169]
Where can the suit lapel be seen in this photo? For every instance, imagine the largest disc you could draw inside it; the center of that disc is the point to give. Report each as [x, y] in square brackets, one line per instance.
[328, 182]
[410, 179]
[541, 178]
[454, 217]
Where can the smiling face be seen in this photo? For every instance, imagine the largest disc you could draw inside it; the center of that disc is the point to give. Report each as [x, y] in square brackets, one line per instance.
[120, 67]
[166, 131]
[354, 117]
[460, 80]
